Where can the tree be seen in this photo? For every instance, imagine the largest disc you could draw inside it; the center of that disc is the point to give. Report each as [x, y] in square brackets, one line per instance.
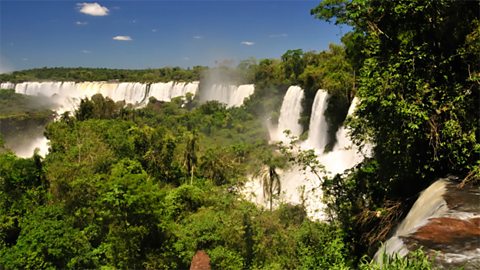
[293, 64]
[418, 90]
[269, 176]
[48, 240]
[190, 154]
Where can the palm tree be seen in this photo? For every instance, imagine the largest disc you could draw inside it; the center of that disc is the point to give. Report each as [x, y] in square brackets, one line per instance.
[270, 177]
[271, 184]
[190, 154]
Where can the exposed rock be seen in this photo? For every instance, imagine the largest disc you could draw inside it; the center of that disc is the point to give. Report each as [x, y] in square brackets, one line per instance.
[200, 261]
[445, 223]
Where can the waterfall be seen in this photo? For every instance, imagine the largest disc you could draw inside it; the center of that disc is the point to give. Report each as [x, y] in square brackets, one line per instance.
[345, 154]
[290, 114]
[317, 134]
[240, 93]
[26, 151]
[343, 139]
[161, 91]
[231, 95]
[299, 184]
[167, 91]
[7, 85]
[443, 221]
[131, 92]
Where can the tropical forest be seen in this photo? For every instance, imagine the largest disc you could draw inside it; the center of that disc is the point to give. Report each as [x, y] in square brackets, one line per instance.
[364, 155]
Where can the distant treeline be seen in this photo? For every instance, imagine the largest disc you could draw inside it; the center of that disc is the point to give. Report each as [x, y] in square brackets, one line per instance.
[103, 74]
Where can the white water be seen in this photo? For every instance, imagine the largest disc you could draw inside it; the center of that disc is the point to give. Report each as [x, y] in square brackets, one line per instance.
[231, 95]
[432, 204]
[40, 143]
[7, 85]
[343, 139]
[167, 91]
[289, 115]
[317, 133]
[70, 93]
[299, 186]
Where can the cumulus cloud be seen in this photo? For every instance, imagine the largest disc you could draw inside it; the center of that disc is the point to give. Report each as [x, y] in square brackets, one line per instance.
[282, 35]
[247, 43]
[93, 9]
[81, 23]
[122, 38]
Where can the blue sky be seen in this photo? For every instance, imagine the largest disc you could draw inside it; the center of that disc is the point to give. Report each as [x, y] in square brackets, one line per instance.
[150, 34]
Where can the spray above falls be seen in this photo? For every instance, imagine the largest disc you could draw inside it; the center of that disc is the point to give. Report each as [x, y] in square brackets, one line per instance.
[231, 95]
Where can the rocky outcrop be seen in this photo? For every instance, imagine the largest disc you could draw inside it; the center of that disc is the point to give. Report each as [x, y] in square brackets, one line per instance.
[200, 261]
[445, 223]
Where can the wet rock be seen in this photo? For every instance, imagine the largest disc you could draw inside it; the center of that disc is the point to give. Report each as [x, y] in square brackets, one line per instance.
[445, 223]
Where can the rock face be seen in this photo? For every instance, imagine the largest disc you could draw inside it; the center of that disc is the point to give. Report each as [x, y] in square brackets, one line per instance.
[200, 261]
[445, 223]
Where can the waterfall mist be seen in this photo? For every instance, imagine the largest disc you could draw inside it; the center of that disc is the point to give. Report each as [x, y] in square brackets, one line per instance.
[220, 84]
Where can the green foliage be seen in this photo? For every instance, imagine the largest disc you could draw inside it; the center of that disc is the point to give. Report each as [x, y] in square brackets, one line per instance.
[102, 74]
[19, 106]
[416, 260]
[418, 89]
[23, 187]
[48, 241]
[132, 189]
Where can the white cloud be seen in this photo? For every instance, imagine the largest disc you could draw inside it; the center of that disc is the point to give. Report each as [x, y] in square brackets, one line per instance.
[81, 23]
[197, 37]
[154, 30]
[93, 9]
[86, 51]
[282, 35]
[122, 38]
[247, 43]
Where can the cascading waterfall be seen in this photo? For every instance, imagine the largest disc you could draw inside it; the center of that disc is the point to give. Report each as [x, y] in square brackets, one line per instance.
[343, 140]
[70, 93]
[289, 115]
[167, 91]
[444, 222]
[7, 85]
[317, 133]
[298, 184]
[231, 95]
[240, 94]
[345, 154]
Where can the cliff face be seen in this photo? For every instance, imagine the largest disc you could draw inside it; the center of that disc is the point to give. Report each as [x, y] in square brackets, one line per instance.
[445, 223]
